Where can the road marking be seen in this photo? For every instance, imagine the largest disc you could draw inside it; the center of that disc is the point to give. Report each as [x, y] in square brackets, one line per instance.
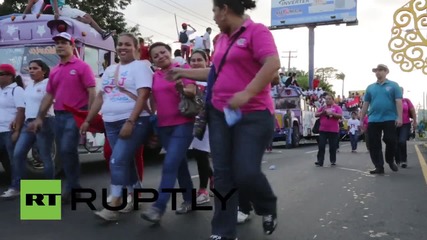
[366, 174]
[422, 162]
[327, 149]
[195, 176]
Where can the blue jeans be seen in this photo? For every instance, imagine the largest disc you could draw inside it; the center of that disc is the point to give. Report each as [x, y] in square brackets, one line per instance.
[403, 133]
[176, 140]
[289, 136]
[44, 140]
[122, 161]
[354, 138]
[67, 139]
[237, 155]
[7, 145]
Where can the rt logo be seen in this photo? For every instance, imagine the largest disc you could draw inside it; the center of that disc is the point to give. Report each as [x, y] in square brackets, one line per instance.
[40, 199]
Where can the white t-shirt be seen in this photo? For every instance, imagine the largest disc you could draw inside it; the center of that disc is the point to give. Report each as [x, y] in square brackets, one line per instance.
[189, 32]
[198, 43]
[353, 124]
[11, 98]
[37, 7]
[180, 60]
[33, 96]
[207, 38]
[133, 76]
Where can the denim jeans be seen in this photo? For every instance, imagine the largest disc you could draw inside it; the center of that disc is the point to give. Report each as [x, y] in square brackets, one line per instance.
[375, 131]
[403, 133]
[176, 140]
[354, 138]
[67, 139]
[122, 161]
[44, 140]
[237, 154]
[332, 139]
[7, 145]
[289, 136]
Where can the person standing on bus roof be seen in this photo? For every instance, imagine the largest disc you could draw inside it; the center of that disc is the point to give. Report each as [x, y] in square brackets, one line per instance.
[61, 9]
[71, 83]
[33, 6]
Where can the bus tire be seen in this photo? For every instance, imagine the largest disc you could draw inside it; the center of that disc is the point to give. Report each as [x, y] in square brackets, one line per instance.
[35, 170]
[295, 136]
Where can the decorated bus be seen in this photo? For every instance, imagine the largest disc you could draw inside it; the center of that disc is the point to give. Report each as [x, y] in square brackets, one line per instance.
[303, 115]
[23, 40]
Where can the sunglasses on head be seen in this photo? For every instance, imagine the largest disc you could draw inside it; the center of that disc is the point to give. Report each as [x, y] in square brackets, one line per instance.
[4, 74]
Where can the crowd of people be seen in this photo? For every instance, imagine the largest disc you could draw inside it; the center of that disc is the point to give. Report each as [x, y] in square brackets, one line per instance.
[390, 118]
[143, 93]
[138, 97]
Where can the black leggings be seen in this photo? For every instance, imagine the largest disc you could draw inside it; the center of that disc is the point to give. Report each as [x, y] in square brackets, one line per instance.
[204, 167]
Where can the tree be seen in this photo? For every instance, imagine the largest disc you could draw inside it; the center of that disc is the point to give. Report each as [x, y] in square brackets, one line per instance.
[106, 13]
[326, 74]
[302, 79]
[341, 76]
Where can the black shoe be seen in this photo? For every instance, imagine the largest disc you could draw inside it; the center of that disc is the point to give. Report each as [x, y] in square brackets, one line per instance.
[404, 165]
[318, 164]
[216, 237]
[393, 167]
[269, 223]
[106, 34]
[377, 171]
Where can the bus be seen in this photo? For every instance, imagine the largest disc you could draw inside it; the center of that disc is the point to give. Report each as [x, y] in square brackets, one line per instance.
[303, 115]
[23, 40]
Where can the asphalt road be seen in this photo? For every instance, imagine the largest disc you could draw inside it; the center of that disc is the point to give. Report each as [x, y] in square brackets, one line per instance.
[331, 203]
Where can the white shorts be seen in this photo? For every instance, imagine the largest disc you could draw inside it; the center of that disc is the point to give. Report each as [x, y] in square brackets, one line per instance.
[67, 11]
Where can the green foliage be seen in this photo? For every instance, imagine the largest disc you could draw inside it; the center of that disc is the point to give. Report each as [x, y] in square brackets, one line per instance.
[302, 79]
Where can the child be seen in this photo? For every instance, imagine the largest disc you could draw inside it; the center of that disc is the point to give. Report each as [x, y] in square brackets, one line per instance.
[353, 130]
[61, 9]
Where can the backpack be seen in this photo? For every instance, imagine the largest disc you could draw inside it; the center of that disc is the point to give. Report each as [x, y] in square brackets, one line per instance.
[183, 37]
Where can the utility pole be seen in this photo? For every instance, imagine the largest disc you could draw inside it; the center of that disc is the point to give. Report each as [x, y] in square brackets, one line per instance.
[289, 56]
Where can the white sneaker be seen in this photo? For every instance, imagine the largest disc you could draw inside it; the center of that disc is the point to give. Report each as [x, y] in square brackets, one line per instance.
[242, 217]
[203, 198]
[10, 193]
[109, 198]
[129, 205]
[108, 215]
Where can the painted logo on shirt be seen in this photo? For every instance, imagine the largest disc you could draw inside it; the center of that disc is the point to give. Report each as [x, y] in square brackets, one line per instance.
[241, 42]
[112, 91]
[73, 72]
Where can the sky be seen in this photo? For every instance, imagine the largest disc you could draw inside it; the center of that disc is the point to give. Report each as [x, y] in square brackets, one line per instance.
[353, 50]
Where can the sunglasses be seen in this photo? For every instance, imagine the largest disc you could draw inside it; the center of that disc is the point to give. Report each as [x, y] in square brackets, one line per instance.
[4, 74]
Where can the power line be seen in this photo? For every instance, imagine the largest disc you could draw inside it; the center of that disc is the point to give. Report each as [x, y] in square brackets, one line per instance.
[172, 13]
[164, 35]
[189, 11]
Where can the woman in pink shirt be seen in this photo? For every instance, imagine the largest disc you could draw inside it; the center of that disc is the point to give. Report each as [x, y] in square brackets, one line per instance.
[241, 120]
[329, 115]
[175, 132]
[404, 131]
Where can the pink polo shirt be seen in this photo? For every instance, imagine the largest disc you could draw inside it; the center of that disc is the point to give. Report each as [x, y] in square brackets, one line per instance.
[243, 62]
[407, 106]
[167, 100]
[330, 124]
[68, 83]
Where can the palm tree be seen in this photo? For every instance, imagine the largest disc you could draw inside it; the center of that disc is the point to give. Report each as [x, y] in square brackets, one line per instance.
[341, 76]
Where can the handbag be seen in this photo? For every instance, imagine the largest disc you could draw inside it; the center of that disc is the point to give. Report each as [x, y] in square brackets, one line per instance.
[316, 127]
[190, 106]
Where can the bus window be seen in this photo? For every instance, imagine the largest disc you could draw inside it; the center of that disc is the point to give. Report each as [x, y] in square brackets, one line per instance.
[45, 53]
[12, 55]
[92, 58]
[104, 60]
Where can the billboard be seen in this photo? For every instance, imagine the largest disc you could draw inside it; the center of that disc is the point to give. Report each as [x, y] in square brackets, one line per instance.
[300, 13]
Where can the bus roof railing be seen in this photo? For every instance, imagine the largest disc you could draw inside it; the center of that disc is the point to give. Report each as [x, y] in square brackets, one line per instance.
[15, 30]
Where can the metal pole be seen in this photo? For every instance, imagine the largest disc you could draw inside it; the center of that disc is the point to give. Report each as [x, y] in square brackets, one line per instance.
[310, 56]
[342, 87]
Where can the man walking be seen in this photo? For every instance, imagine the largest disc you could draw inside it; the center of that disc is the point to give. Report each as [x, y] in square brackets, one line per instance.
[384, 100]
[71, 83]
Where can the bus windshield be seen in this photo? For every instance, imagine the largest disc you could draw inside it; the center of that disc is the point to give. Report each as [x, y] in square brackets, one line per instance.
[287, 103]
[20, 57]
